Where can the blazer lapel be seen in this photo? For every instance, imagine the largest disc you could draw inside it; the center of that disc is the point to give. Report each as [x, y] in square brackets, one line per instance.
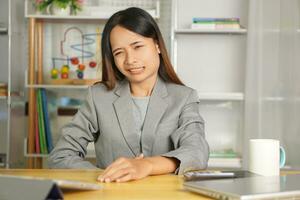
[123, 109]
[156, 108]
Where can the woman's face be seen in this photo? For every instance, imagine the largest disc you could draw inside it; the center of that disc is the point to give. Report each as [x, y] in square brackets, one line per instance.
[136, 56]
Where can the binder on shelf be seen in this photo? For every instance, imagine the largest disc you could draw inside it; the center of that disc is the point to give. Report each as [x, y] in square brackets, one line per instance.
[37, 133]
[43, 143]
[46, 120]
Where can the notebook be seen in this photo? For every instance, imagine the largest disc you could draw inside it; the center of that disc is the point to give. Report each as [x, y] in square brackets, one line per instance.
[259, 187]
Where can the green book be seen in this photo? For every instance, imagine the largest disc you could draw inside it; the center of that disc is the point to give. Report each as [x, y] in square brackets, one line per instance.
[226, 153]
[43, 142]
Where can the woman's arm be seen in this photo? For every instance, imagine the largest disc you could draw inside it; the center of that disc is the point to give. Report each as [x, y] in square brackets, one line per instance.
[70, 150]
[125, 169]
[191, 150]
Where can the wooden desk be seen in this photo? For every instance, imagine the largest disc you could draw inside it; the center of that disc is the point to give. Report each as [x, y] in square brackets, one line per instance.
[153, 187]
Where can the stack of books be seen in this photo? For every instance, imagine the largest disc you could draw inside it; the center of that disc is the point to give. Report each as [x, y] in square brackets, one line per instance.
[43, 136]
[216, 23]
[224, 159]
[3, 89]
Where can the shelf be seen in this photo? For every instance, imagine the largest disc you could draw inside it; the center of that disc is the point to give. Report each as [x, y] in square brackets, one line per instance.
[88, 13]
[3, 97]
[56, 86]
[48, 86]
[235, 96]
[211, 31]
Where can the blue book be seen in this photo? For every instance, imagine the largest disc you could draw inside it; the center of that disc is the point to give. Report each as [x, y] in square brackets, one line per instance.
[46, 120]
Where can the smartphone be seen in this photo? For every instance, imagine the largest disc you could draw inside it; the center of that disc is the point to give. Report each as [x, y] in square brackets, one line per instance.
[215, 174]
[204, 175]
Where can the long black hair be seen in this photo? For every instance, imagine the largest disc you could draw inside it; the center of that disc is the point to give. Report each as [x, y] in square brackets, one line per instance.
[141, 22]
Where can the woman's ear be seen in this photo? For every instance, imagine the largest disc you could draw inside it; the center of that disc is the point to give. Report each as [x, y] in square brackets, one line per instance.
[157, 48]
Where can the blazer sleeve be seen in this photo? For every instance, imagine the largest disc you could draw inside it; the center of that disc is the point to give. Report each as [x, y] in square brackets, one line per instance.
[71, 148]
[191, 148]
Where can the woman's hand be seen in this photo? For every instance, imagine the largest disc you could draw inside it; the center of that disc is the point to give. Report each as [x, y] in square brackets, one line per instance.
[126, 169]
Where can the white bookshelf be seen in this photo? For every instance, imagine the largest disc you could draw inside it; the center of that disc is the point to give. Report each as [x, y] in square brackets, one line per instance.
[213, 61]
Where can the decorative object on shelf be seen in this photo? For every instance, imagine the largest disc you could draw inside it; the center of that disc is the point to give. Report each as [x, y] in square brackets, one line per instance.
[92, 64]
[80, 74]
[80, 70]
[58, 7]
[74, 63]
[65, 71]
[54, 73]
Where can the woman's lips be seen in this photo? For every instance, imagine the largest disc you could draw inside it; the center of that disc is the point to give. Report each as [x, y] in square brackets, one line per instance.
[136, 70]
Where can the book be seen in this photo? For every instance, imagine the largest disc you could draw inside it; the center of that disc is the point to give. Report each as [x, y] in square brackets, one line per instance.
[214, 26]
[225, 162]
[37, 138]
[216, 20]
[46, 120]
[224, 153]
[216, 23]
[43, 143]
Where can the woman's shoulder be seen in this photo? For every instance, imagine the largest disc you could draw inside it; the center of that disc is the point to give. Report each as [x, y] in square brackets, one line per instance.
[181, 93]
[100, 88]
[179, 89]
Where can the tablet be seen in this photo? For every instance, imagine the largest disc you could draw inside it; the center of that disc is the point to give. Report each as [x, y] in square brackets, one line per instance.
[76, 185]
[61, 183]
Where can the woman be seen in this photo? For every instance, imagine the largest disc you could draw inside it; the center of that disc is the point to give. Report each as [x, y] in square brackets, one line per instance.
[142, 119]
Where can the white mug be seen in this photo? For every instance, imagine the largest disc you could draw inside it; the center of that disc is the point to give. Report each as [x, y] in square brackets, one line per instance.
[266, 157]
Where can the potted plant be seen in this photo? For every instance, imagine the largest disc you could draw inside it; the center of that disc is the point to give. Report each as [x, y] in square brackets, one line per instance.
[41, 6]
[59, 7]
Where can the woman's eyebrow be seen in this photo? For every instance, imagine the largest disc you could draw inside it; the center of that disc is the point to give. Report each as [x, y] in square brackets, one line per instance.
[131, 44]
[136, 42]
[113, 51]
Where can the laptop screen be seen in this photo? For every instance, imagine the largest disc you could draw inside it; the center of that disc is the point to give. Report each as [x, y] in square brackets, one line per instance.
[248, 188]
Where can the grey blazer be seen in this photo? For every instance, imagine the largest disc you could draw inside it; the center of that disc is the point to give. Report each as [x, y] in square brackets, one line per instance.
[173, 127]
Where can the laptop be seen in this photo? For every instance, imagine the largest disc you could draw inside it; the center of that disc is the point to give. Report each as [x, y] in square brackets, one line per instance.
[258, 187]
